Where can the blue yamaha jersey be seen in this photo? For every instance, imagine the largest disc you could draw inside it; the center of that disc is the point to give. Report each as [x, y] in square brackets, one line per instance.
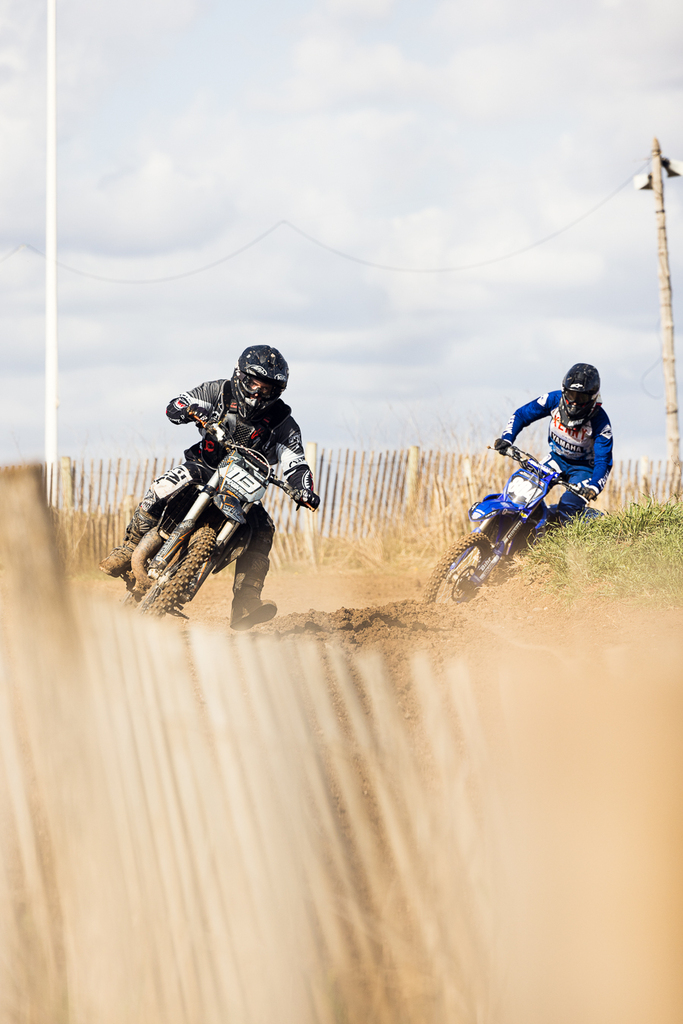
[588, 446]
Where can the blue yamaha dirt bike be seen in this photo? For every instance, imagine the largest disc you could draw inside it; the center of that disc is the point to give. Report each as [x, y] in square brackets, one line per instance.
[506, 523]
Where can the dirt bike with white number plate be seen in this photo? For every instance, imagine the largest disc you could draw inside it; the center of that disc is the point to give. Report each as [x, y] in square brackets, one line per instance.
[202, 529]
[506, 523]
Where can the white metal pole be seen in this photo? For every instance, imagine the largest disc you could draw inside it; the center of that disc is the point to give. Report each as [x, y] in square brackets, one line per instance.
[51, 358]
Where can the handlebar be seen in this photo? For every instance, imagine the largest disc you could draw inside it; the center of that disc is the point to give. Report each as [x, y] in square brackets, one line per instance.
[216, 431]
[284, 486]
[518, 455]
[527, 461]
[212, 427]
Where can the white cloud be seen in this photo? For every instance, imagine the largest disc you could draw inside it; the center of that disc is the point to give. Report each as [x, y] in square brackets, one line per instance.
[331, 67]
[453, 135]
[364, 9]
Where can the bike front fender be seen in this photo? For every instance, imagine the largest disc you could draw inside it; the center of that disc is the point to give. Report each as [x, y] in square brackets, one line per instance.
[491, 505]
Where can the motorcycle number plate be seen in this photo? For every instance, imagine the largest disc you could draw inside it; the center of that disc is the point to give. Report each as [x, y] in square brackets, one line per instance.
[238, 481]
[522, 491]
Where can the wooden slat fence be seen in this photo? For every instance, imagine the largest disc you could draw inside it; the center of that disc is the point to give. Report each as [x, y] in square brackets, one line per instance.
[364, 494]
[216, 829]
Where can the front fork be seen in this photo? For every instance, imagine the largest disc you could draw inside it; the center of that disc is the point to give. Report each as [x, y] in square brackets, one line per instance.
[226, 532]
[175, 541]
[501, 548]
[160, 562]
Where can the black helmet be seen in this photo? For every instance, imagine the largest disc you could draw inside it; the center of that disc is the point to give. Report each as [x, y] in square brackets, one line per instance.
[580, 390]
[259, 379]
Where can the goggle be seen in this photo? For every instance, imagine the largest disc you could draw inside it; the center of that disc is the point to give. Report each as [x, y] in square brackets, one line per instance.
[257, 386]
[578, 398]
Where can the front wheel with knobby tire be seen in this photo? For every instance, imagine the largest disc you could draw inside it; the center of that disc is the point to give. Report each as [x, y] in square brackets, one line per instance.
[170, 596]
[451, 580]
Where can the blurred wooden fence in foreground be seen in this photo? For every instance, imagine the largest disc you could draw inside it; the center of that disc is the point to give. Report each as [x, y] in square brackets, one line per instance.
[364, 494]
[196, 829]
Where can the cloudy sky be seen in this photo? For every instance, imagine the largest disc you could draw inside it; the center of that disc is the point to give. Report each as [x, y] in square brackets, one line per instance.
[411, 133]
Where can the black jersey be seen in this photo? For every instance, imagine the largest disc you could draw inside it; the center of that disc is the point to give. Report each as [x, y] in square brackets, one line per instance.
[276, 435]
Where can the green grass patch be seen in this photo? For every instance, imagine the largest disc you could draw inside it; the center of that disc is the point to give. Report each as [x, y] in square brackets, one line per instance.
[634, 553]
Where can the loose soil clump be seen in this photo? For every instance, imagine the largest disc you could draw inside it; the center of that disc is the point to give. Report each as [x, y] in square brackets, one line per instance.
[515, 614]
[395, 629]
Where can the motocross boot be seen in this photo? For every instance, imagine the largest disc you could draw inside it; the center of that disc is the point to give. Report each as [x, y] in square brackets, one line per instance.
[247, 607]
[117, 561]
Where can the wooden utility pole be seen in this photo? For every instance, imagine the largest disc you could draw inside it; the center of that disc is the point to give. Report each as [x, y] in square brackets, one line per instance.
[668, 355]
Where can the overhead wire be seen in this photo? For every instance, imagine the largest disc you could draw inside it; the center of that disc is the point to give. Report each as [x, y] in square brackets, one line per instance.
[469, 266]
[16, 249]
[647, 372]
[160, 280]
[331, 249]
[644, 377]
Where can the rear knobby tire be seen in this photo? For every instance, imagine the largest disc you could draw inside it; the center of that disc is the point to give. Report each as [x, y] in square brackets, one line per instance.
[172, 595]
[448, 582]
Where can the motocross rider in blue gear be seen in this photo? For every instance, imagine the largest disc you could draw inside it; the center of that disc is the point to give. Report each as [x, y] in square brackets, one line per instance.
[579, 436]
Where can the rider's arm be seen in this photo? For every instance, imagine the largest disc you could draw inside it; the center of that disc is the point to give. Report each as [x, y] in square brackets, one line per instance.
[289, 449]
[602, 449]
[529, 413]
[207, 396]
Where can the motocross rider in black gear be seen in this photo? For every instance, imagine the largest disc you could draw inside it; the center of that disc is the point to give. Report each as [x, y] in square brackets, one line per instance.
[250, 409]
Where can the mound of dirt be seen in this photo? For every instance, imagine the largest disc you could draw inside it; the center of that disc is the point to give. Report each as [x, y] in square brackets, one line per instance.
[515, 613]
[396, 629]
[397, 622]
[375, 611]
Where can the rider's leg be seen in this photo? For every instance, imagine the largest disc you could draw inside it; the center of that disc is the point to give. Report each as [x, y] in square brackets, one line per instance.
[250, 572]
[148, 513]
[117, 561]
[571, 505]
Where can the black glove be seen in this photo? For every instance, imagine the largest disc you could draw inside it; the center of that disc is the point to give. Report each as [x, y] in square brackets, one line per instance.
[586, 491]
[307, 498]
[177, 411]
[501, 445]
[198, 413]
[301, 482]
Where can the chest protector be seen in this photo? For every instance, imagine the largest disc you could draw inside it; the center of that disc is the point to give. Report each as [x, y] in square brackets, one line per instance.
[256, 436]
[573, 444]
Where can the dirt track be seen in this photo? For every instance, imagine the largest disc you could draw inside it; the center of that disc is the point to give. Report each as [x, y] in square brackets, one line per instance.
[383, 611]
[510, 615]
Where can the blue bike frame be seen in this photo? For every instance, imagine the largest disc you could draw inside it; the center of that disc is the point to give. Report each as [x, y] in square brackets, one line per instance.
[500, 517]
